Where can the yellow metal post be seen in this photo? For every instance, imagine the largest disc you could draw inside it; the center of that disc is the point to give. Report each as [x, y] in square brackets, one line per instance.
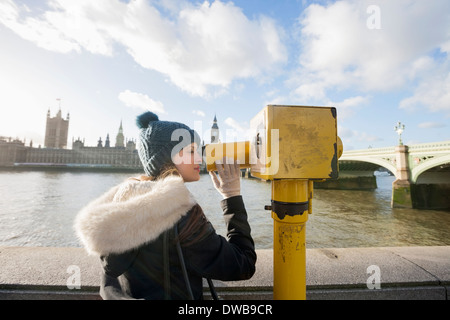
[292, 146]
[290, 213]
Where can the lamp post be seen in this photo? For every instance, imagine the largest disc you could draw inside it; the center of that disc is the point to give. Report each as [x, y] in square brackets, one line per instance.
[399, 128]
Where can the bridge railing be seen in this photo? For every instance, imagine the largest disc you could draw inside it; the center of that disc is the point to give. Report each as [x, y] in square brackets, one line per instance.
[368, 152]
[421, 147]
[430, 147]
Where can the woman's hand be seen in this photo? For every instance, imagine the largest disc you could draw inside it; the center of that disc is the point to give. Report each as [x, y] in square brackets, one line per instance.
[229, 181]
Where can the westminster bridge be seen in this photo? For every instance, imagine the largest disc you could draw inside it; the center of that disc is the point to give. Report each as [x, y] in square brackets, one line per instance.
[422, 173]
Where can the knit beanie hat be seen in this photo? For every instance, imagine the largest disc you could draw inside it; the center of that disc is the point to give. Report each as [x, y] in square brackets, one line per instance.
[159, 141]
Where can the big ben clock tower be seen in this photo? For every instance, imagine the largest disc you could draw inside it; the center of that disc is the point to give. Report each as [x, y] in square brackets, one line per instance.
[215, 131]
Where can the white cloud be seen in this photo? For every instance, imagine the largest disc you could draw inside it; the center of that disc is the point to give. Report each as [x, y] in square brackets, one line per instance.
[142, 101]
[346, 107]
[431, 125]
[200, 48]
[351, 137]
[433, 91]
[340, 52]
[39, 31]
[238, 131]
[199, 113]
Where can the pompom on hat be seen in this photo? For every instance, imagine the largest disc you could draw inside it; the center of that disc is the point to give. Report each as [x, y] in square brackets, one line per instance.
[160, 140]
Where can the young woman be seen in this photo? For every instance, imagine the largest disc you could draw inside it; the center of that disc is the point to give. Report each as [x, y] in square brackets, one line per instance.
[153, 239]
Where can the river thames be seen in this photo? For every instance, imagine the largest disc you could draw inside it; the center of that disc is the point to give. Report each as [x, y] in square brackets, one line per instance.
[38, 209]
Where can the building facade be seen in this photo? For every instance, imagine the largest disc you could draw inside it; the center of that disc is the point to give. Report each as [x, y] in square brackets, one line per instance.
[124, 156]
[11, 151]
[14, 154]
[56, 131]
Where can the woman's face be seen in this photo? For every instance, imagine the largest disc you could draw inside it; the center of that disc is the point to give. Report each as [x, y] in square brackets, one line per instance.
[187, 162]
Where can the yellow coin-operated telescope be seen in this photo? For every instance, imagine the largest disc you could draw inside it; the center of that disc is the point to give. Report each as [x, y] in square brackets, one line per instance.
[292, 146]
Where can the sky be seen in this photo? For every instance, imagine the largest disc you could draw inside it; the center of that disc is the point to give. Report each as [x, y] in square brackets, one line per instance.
[107, 61]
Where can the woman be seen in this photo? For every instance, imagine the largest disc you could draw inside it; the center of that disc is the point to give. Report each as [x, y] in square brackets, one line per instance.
[153, 239]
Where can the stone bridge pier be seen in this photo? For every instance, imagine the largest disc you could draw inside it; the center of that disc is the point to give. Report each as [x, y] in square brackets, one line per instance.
[401, 187]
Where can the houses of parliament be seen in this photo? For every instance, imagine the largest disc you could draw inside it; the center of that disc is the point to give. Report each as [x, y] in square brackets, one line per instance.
[122, 155]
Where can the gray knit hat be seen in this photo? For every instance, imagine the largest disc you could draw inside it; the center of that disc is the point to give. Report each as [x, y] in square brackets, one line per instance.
[160, 140]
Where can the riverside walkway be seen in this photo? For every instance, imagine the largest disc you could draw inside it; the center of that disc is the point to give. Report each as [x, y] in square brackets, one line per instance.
[407, 273]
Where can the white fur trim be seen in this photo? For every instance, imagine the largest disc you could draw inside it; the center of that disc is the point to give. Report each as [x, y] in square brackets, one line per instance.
[132, 214]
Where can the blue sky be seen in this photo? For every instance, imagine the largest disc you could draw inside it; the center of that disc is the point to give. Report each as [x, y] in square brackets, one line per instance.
[377, 62]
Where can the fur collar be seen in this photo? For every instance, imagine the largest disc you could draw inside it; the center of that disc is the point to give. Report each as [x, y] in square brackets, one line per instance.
[131, 214]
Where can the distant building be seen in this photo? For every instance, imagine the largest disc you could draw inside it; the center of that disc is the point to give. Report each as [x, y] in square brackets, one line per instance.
[11, 151]
[56, 131]
[120, 138]
[120, 156]
[14, 153]
[123, 156]
[215, 131]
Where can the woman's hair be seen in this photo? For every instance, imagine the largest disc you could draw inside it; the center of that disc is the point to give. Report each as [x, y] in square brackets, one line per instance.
[197, 225]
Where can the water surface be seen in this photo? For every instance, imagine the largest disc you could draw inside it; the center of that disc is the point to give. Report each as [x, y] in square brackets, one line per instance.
[37, 208]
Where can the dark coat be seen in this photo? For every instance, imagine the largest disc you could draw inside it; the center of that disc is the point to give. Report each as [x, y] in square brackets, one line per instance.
[138, 272]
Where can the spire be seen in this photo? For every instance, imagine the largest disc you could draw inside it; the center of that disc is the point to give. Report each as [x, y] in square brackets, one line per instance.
[215, 126]
[120, 138]
[215, 131]
[107, 144]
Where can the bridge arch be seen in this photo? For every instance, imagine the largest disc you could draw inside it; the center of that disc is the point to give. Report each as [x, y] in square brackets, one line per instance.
[421, 168]
[377, 161]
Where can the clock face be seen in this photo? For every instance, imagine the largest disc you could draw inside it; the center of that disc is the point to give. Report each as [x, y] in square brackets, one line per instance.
[214, 136]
